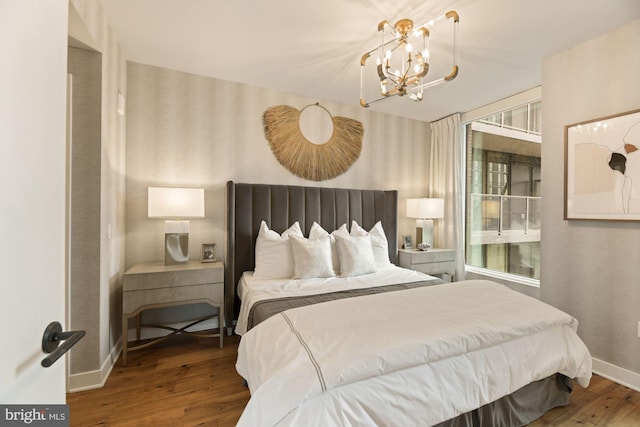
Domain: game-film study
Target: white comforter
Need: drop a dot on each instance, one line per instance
(252, 290)
(412, 357)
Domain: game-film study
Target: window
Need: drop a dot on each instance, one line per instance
(503, 192)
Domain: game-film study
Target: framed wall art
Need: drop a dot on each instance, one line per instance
(208, 252)
(602, 168)
(407, 241)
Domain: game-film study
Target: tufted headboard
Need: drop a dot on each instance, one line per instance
(280, 206)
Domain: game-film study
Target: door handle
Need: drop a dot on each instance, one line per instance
(51, 339)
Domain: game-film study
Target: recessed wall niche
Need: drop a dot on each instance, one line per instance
(83, 193)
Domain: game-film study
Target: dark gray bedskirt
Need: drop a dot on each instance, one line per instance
(520, 407)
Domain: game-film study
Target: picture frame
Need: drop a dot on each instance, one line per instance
(407, 241)
(602, 168)
(208, 253)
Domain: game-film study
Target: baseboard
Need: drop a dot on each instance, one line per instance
(617, 374)
(95, 379)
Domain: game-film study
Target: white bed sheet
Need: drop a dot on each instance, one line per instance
(414, 357)
(251, 290)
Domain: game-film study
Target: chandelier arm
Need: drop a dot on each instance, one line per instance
(393, 92)
(385, 72)
(390, 75)
(456, 20)
(364, 58)
(424, 72)
(381, 73)
(368, 104)
(453, 14)
(432, 83)
(453, 75)
(368, 54)
(383, 24)
(449, 15)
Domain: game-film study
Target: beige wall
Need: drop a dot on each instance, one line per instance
(105, 294)
(85, 67)
(590, 269)
(188, 130)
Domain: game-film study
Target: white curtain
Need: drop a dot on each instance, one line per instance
(446, 179)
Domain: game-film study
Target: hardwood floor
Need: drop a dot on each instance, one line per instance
(184, 381)
(188, 381)
(603, 403)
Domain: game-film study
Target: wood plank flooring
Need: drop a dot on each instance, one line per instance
(184, 381)
(189, 381)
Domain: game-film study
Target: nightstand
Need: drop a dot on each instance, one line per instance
(155, 285)
(432, 261)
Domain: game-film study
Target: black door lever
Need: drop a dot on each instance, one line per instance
(51, 339)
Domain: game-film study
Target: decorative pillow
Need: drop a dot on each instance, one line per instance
(317, 232)
(311, 258)
(378, 242)
(273, 254)
(356, 255)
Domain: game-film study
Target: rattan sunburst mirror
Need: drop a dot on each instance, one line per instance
(306, 159)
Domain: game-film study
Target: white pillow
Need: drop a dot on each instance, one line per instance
(378, 242)
(273, 254)
(311, 258)
(356, 255)
(317, 232)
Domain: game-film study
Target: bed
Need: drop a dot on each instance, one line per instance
(262, 298)
(449, 355)
(247, 205)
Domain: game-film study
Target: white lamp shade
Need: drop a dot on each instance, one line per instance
(425, 208)
(165, 202)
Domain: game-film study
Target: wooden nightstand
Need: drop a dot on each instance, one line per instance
(155, 285)
(432, 261)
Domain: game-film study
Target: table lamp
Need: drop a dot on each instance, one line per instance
(425, 211)
(177, 204)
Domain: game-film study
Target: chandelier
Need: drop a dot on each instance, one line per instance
(402, 59)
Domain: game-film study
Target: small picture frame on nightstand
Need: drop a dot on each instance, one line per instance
(208, 252)
(407, 242)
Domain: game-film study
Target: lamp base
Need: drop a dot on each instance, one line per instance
(176, 248)
(424, 233)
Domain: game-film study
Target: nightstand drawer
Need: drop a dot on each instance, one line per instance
(435, 268)
(418, 257)
(434, 261)
(169, 278)
(135, 299)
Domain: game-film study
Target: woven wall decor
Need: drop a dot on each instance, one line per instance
(316, 162)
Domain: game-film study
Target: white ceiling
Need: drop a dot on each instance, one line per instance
(313, 47)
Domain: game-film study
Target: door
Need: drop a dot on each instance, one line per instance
(33, 47)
